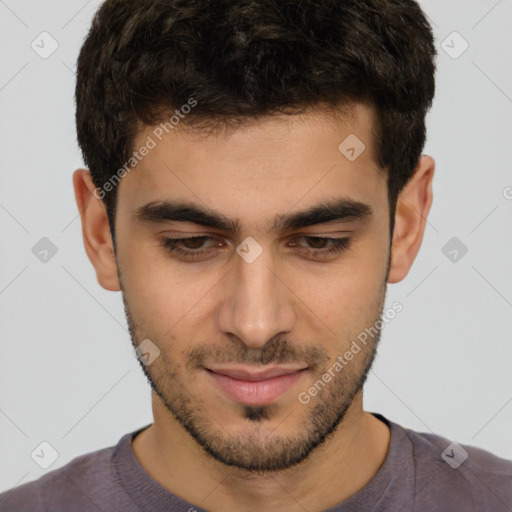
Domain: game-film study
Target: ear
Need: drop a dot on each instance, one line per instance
(413, 206)
(95, 230)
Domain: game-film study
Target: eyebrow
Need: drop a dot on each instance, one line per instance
(334, 210)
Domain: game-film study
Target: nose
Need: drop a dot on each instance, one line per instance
(258, 304)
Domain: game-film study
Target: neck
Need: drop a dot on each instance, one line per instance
(354, 453)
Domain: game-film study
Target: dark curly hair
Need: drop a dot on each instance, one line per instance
(240, 59)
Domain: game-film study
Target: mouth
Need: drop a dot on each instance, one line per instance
(251, 386)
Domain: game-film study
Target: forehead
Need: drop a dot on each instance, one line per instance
(266, 165)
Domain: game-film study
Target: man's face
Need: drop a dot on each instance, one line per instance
(220, 316)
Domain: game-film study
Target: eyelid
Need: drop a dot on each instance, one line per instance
(209, 237)
(337, 246)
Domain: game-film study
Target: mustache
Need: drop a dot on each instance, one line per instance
(275, 351)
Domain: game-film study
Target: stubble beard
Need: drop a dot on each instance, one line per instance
(256, 447)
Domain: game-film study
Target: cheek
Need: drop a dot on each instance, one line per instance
(149, 290)
(347, 297)
(344, 304)
(163, 299)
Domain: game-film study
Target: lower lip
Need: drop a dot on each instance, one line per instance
(256, 393)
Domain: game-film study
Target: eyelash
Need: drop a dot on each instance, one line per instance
(172, 245)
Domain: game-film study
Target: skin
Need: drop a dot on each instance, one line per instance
(285, 304)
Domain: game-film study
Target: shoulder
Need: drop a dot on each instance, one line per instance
(87, 482)
(461, 473)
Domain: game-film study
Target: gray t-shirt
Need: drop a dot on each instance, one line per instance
(416, 476)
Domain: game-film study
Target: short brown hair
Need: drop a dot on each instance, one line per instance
(242, 59)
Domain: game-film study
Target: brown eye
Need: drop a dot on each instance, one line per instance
(194, 243)
(188, 248)
(321, 246)
(318, 242)
(194, 248)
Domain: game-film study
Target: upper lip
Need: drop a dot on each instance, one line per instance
(255, 375)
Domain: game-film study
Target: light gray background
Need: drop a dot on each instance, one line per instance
(67, 372)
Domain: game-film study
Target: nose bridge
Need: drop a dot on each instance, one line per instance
(257, 307)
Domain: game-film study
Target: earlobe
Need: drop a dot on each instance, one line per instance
(413, 206)
(95, 230)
